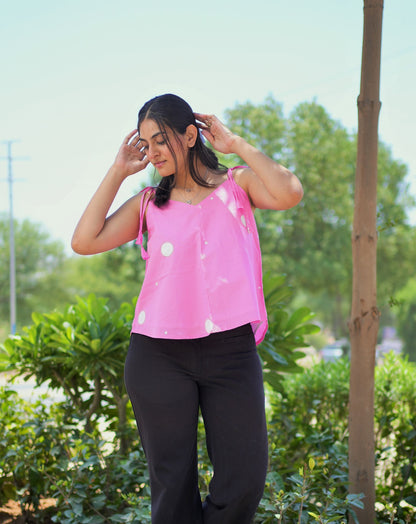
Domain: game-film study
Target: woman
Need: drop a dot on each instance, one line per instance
(201, 310)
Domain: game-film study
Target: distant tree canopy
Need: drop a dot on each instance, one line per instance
(116, 275)
(40, 276)
(310, 243)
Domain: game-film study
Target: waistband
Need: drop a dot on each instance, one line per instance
(245, 329)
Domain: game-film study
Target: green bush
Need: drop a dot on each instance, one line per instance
(308, 425)
(286, 334)
(309, 420)
(72, 451)
(81, 352)
(45, 452)
(34, 441)
(395, 426)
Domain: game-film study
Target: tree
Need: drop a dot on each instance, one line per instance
(116, 275)
(39, 270)
(364, 312)
(311, 242)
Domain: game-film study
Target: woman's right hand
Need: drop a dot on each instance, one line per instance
(130, 158)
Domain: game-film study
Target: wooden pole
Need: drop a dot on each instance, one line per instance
(364, 320)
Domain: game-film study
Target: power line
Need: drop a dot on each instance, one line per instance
(12, 255)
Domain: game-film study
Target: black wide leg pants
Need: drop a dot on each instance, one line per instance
(168, 381)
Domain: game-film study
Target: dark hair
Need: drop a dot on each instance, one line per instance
(171, 111)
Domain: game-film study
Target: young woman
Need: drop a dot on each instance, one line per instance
(201, 309)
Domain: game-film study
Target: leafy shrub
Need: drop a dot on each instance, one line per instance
(64, 451)
(33, 443)
(280, 349)
(395, 426)
(102, 487)
(81, 352)
(308, 425)
(310, 420)
(44, 453)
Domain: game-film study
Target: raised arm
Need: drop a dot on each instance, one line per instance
(268, 184)
(96, 232)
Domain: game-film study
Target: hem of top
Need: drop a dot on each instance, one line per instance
(260, 325)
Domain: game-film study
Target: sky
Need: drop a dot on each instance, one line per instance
(74, 73)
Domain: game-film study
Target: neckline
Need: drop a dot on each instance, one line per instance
(203, 200)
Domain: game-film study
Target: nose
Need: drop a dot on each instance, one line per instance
(152, 153)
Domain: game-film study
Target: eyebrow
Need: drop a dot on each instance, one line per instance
(153, 136)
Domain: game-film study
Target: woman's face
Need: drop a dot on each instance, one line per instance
(156, 148)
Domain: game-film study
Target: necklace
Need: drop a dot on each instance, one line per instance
(188, 198)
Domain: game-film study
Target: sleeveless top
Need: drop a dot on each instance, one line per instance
(203, 266)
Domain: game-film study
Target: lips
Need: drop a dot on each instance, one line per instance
(158, 165)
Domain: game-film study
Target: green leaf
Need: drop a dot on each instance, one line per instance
(300, 316)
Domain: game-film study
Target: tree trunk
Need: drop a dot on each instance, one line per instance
(364, 320)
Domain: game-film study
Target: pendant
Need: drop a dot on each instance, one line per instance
(188, 201)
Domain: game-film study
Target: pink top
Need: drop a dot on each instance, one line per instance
(203, 267)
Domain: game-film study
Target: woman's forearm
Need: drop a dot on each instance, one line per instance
(280, 183)
(93, 220)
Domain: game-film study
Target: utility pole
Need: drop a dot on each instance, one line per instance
(12, 255)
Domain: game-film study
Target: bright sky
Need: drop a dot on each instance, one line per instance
(75, 72)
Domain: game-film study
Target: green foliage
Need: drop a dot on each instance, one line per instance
(302, 502)
(102, 487)
(32, 445)
(44, 452)
(406, 302)
(263, 126)
(279, 350)
(81, 351)
(116, 274)
(311, 243)
(396, 433)
(39, 268)
(309, 420)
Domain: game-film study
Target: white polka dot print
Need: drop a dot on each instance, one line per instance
(166, 249)
(142, 317)
(209, 325)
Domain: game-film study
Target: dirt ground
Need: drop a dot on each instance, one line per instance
(11, 512)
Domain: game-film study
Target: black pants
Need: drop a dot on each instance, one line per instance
(168, 381)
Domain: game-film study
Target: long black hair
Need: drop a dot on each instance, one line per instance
(171, 111)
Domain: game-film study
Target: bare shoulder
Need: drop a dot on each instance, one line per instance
(243, 177)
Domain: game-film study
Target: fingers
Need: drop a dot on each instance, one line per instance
(133, 140)
(207, 120)
(130, 136)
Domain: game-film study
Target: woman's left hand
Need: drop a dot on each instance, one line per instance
(217, 134)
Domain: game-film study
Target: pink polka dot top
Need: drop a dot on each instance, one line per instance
(203, 267)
